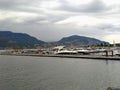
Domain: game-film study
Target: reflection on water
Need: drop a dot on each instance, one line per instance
(47, 73)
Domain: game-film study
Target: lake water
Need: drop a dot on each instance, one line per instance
(47, 73)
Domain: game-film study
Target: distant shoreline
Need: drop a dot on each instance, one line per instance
(70, 56)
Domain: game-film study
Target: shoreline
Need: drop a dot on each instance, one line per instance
(70, 56)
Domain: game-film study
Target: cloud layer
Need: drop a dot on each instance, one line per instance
(50, 20)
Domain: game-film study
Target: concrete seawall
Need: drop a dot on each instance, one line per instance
(73, 56)
(85, 57)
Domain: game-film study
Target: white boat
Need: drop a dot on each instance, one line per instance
(66, 52)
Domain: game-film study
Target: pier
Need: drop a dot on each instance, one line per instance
(72, 56)
(84, 57)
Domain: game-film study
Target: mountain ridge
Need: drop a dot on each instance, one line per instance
(11, 39)
(80, 40)
(15, 40)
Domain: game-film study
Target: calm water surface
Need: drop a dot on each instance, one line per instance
(47, 73)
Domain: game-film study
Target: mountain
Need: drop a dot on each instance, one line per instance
(10, 39)
(76, 40)
(22, 40)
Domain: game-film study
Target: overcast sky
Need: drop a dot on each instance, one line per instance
(50, 20)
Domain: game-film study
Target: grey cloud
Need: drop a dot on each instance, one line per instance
(106, 30)
(32, 26)
(93, 7)
(21, 5)
(105, 26)
(53, 32)
(31, 6)
(10, 4)
(50, 32)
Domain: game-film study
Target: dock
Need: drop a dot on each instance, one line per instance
(74, 56)
(84, 57)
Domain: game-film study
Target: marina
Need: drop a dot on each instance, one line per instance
(60, 51)
(59, 44)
